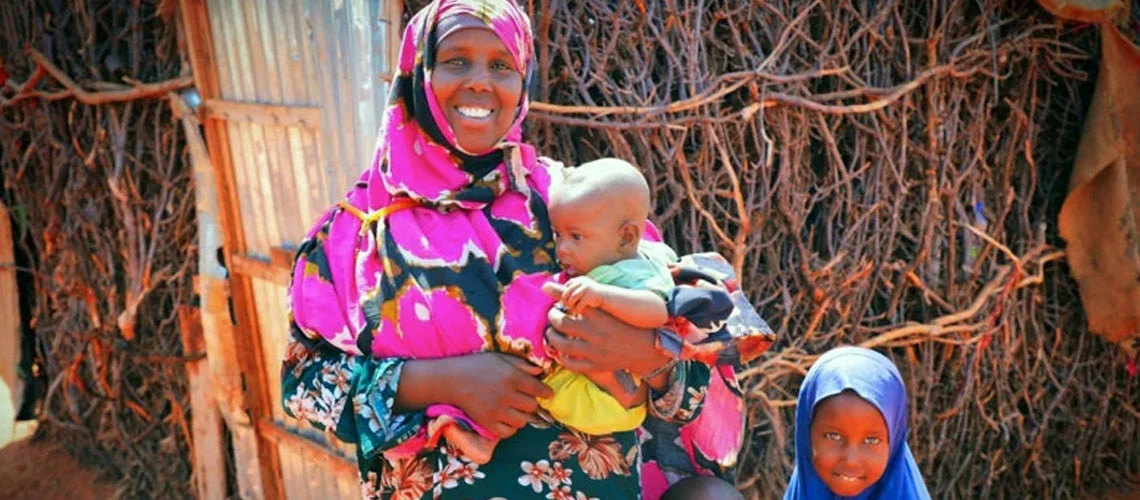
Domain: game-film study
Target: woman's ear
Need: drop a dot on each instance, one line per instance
(630, 236)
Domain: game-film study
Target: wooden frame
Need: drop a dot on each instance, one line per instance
(269, 114)
(264, 480)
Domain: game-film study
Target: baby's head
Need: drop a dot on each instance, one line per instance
(598, 212)
(850, 422)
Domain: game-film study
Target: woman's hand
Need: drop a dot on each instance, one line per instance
(498, 391)
(598, 342)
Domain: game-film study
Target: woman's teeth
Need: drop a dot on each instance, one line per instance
(474, 112)
(845, 477)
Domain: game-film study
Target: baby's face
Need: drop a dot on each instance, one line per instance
(849, 443)
(586, 234)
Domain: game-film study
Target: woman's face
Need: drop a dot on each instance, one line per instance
(478, 87)
(849, 443)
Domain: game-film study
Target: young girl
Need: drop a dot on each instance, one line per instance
(851, 427)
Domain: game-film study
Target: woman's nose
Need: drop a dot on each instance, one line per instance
(479, 79)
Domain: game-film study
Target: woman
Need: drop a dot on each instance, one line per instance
(439, 251)
(418, 292)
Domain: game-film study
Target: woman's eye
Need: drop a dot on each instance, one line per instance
(501, 66)
(833, 436)
(455, 62)
(872, 440)
(576, 236)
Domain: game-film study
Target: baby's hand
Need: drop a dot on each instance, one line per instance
(582, 293)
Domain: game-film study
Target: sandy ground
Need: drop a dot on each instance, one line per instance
(38, 469)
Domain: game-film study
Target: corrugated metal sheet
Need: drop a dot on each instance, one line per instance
(332, 55)
(303, 53)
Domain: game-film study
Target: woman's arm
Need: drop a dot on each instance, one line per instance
(378, 403)
(497, 391)
(598, 342)
(346, 394)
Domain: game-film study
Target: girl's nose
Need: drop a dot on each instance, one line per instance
(851, 456)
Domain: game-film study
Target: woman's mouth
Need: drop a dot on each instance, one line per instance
(473, 113)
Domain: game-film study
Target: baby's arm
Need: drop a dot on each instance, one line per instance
(640, 308)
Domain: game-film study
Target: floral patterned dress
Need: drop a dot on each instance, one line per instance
(542, 460)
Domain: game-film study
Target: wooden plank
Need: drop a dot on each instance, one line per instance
(313, 451)
(11, 387)
(284, 115)
(273, 320)
(257, 267)
(262, 471)
(208, 446)
(291, 471)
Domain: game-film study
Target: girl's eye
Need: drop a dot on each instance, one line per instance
(501, 66)
(832, 436)
(872, 440)
(576, 236)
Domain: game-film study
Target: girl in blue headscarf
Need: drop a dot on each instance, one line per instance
(851, 427)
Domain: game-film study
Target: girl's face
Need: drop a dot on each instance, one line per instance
(477, 86)
(849, 443)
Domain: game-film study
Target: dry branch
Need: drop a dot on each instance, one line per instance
(99, 177)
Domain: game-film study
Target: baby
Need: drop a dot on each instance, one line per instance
(851, 427)
(598, 213)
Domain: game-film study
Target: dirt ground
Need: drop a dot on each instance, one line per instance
(40, 470)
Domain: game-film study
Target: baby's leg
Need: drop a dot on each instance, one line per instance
(702, 488)
(462, 433)
(476, 448)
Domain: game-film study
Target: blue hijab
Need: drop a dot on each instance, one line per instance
(874, 378)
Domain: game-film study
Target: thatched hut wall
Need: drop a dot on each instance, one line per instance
(97, 179)
(884, 173)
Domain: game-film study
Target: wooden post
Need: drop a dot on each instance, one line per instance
(218, 336)
(208, 447)
(11, 387)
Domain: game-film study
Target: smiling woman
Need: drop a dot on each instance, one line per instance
(417, 304)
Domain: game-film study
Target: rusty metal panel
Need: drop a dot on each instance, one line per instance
(353, 90)
(332, 55)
